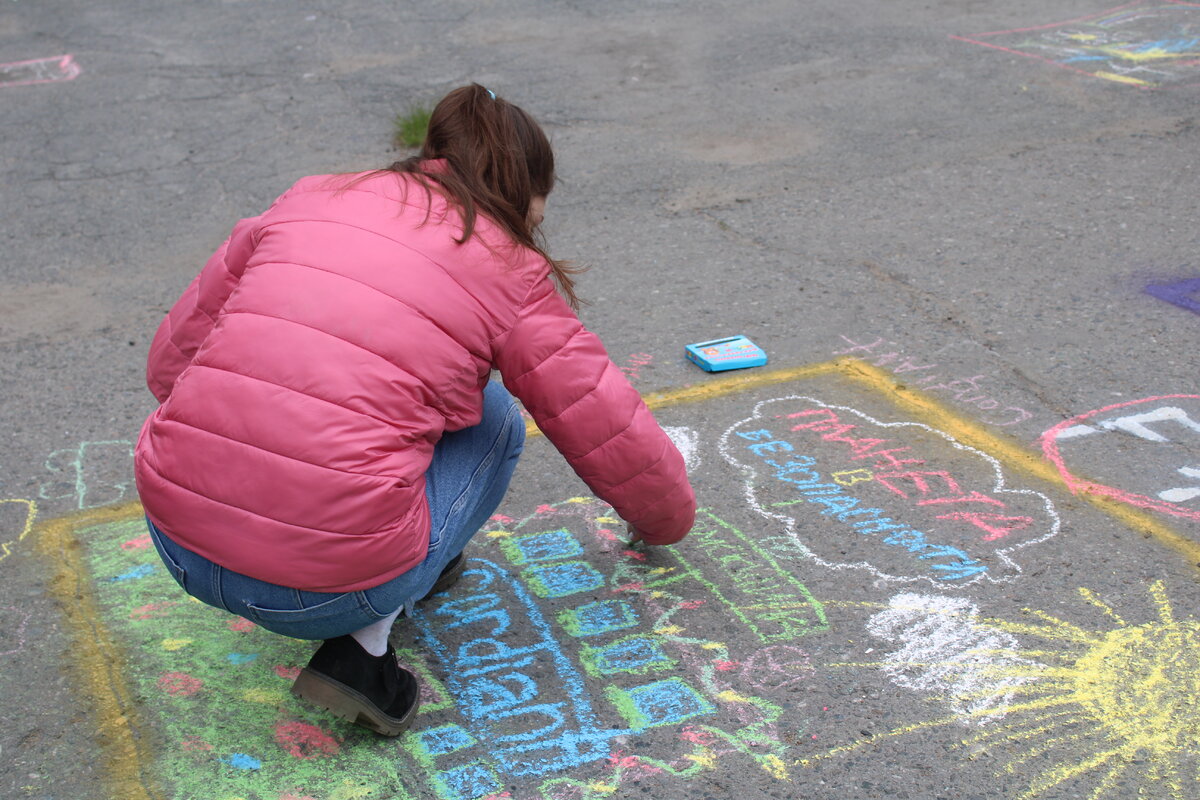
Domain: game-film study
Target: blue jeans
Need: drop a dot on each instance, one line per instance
(465, 482)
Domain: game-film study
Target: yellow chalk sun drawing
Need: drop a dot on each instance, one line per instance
(1106, 709)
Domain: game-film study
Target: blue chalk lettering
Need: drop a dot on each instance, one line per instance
(953, 572)
(551, 710)
(241, 658)
(474, 608)
(835, 503)
(517, 745)
(478, 651)
(774, 446)
(879, 525)
(756, 436)
(911, 540)
(486, 696)
(445, 739)
(468, 782)
(845, 515)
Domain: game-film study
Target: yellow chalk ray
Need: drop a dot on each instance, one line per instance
(31, 510)
(1119, 694)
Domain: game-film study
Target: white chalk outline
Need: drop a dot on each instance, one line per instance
(1011, 568)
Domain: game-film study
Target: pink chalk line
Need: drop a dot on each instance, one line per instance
(40, 70)
(1080, 485)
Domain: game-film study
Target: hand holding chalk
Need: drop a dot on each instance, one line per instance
(635, 535)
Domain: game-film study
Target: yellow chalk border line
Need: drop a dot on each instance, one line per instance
(102, 664)
(97, 657)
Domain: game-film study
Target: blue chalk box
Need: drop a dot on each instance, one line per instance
(735, 352)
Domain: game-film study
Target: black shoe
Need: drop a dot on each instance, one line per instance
(450, 575)
(372, 691)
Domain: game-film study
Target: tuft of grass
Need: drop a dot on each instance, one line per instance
(410, 127)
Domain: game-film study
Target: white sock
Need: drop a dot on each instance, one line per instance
(374, 637)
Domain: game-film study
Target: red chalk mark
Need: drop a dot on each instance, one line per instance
(1082, 486)
(152, 610)
(503, 520)
(634, 554)
(997, 526)
(630, 587)
(140, 543)
(294, 796)
(726, 666)
(39, 70)
(689, 604)
(180, 684)
(545, 509)
(695, 736)
(241, 625)
(194, 744)
(302, 740)
(287, 673)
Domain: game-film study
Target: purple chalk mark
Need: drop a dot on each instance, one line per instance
(39, 70)
(1178, 293)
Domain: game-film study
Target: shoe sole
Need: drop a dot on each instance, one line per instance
(345, 703)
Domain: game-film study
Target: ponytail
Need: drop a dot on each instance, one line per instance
(498, 159)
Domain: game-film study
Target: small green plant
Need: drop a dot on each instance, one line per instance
(411, 127)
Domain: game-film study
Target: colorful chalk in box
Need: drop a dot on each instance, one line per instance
(734, 352)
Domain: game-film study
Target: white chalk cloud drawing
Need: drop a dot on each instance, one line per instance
(901, 500)
(942, 647)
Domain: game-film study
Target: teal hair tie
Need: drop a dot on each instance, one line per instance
(491, 94)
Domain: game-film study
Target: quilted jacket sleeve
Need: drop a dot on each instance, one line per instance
(190, 320)
(588, 410)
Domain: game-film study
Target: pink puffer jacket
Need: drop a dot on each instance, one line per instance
(308, 371)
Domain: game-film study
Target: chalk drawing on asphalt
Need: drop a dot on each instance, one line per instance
(931, 377)
(944, 648)
(562, 653)
(13, 621)
(16, 521)
(1148, 449)
(39, 70)
(1183, 293)
(1150, 45)
(901, 500)
(688, 442)
(91, 474)
(1120, 691)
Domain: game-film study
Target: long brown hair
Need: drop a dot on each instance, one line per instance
(498, 159)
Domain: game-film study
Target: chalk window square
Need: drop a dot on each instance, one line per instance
(665, 702)
(537, 547)
(469, 782)
(603, 616)
(560, 580)
(1154, 47)
(446, 739)
(635, 654)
